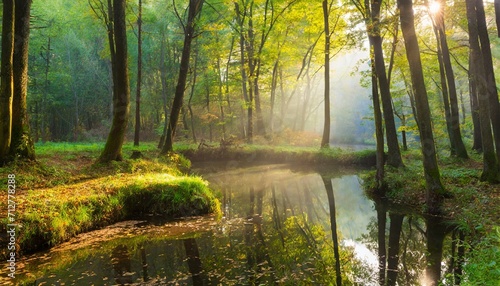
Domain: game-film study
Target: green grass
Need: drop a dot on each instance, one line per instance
(65, 193)
(51, 216)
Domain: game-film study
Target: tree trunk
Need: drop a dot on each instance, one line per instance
(491, 88)
(194, 9)
(121, 97)
(221, 99)
(394, 153)
(379, 130)
(21, 144)
(137, 132)
(7, 83)
(325, 141)
(490, 163)
(435, 190)
(193, 85)
(458, 147)
(474, 107)
(244, 77)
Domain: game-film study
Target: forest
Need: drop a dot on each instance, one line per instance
(234, 133)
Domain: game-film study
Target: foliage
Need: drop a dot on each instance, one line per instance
(482, 266)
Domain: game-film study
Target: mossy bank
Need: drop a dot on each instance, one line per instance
(55, 203)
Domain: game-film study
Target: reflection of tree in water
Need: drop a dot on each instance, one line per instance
(194, 262)
(275, 242)
(416, 250)
(120, 259)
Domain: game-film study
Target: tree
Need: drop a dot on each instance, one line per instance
(21, 144)
(194, 10)
(394, 152)
(7, 80)
(479, 81)
(448, 85)
(491, 87)
(435, 190)
(325, 141)
(137, 131)
(121, 96)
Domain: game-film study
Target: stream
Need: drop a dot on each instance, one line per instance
(275, 229)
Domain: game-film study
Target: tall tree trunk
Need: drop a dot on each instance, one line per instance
(435, 190)
(221, 99)
(474, 107)
(121, 97)
(490, 163)
(377, 114)
(394, 153)
(379, 131)
(193, 85)
(194, 10)
(274, 85)
(7, 83)
(137, 132)
(325, 141)
(458, 146)
(164, 90)
(21, 143)
(494, 105)
(244, 78)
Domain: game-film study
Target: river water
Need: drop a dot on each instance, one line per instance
(276, 228)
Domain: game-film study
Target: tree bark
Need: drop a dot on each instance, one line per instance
(121, 97)
(21, 144)
(474, 107)
(325, 141)
(394, 153)
(435, 190)
(7, 83)
(458, 147)
(137, 132)
(490, 163)
(189, 30)
(244, 78)
(491, 88)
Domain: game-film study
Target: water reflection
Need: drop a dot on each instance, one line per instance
(280, 226)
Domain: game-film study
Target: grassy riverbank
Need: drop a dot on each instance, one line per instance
(280, 154)
(64, 193)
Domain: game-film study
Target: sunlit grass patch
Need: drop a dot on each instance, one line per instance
(51, 216)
